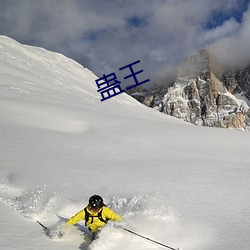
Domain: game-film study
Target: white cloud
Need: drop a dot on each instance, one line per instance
(228, 28)
(98, 33)
(233, 50)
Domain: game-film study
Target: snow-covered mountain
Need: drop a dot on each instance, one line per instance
(203, 97)
(182, 185)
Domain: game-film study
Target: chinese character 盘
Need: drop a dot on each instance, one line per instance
(108, 86)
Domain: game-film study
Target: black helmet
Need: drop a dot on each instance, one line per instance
(95, 202)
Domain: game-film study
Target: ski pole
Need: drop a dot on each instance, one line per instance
(45, 228)
(146, 238)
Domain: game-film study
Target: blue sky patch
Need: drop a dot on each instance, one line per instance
(219, 17)
(136, 21)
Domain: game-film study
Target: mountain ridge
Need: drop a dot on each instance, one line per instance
(203, 96)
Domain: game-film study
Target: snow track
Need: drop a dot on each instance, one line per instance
(144, 214)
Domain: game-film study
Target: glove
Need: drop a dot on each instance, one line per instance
(118, 226)
(60, 234)
(62, 229)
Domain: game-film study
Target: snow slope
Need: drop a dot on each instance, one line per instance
(176, 183)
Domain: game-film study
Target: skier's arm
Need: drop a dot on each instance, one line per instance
(110, 214)
(77, 217)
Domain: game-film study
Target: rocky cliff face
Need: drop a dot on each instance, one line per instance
(237, 81)
(201, 97)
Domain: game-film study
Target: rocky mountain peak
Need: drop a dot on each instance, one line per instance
(196, 64)
(200, 96)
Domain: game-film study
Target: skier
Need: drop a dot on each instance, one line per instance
(95, 214)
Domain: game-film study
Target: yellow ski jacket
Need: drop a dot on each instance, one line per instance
(94, 223)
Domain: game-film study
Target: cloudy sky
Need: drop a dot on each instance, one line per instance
(105, 35)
